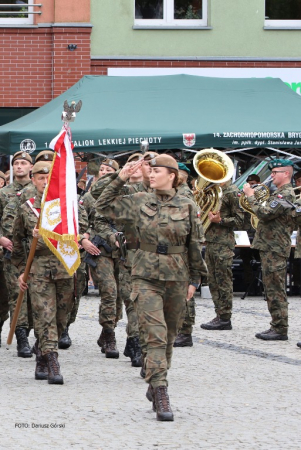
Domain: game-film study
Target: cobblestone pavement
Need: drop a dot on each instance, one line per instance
(229, 391)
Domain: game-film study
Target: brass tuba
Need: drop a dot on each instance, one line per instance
(213, 167)
(261, 193)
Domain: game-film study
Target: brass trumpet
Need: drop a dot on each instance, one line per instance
(261, 193)
(213, 167)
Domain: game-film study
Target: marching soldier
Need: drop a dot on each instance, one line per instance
(21, 166)
(166, 268)
(51, 288)
(273, 240)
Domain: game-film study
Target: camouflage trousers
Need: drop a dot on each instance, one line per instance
(52, 301)
(160, 307)
(106, 273)
(4, 308)
(11, 274)
(273, 277)
(80, 282)
(125, 286)
(219, 263)
(189, 320)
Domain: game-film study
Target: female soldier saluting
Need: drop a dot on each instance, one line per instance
(166, 267)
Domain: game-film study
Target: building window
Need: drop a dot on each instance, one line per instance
(16, 12)
(171, 13)
(283, 13)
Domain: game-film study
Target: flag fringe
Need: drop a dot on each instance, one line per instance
(58, 237)
(51, 247)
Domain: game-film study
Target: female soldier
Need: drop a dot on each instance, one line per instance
(166, 268)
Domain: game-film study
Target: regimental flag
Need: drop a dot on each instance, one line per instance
(59, 212)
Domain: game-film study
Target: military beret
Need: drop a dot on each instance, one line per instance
(280, 163)
(253, 177)
(42, 167)
(2, 176)
(183, 167)
(45, 155)
(149, 155)
(135, 157)
(111, 163)
(164, 161)
(21, 155)
(297, 175)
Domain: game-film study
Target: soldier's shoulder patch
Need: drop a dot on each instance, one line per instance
(81, 202)
(298, 210)
(274, 203)
(18, 194)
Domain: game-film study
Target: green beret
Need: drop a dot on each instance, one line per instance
(183, 167)
(280, 163)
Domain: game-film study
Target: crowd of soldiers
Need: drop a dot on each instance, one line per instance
(141, 242)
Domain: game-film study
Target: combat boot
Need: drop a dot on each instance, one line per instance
(54, 373)
(110, 344)
(24, 350)
(133, 351)
(150, 395)
(271, 335)
(101, 341)
(1, 325)
(65, 341)
(41, 372)
(183, 340)
(164, 412)
(217, 324)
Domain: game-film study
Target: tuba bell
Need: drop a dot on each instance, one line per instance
(261, 193)
(213, 167)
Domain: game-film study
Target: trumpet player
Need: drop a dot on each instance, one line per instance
(219, 254)
(273, 240)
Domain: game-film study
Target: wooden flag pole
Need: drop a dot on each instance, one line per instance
(21, 293)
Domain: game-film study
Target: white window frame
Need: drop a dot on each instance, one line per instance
(19, 20)
(282, 23)
(169, 21)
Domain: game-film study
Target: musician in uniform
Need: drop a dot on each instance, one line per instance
(273, 240)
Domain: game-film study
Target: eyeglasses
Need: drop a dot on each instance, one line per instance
(277, 171)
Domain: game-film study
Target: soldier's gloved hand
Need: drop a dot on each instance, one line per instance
(22, 285)
(89, 247)
(190, 292)
(6, 243)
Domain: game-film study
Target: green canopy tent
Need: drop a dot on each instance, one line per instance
(171, 112)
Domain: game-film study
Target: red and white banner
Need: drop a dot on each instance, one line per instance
(59, 209)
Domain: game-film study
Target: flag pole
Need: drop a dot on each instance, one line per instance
(21, 293)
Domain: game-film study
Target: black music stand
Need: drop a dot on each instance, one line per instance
(257, 278)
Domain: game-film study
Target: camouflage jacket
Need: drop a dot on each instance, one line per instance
(232, 218)
(7, 194)
(9, 213)
(184, 189)
(45, 263)
(276, 223)
(164, 218)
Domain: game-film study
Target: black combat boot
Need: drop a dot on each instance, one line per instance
(217, 324)
(271, 335)
(1, 325)
(150, 395)
(54, 373)
(110, 344)
(101, 341)
(164, 412)
(41, 372)
(183, 340)
(24, 350)
(65, 340)
(133, 351)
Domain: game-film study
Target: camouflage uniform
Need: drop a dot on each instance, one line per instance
(220, 244)
(4, 308)
(50, 286)
(11, 198)
(273, 240)
(159, 280)
(189, 320)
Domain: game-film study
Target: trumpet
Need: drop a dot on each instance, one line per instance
(261, 193)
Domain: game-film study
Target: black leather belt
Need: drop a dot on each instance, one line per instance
(162, 249)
